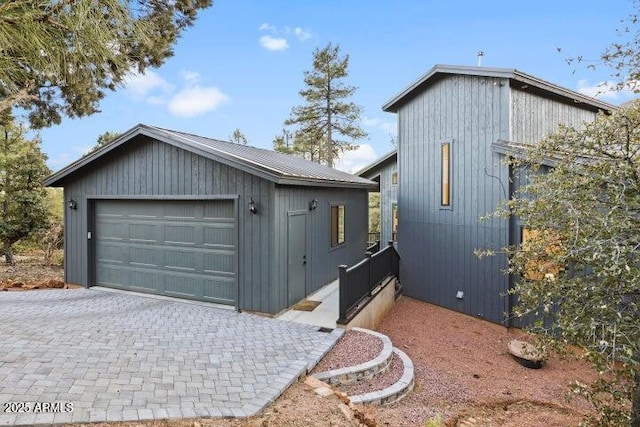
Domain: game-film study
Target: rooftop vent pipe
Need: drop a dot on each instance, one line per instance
(480, 55)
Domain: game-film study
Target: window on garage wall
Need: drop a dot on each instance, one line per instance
(337, 225)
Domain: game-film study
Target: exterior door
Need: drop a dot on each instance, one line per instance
(296, 257)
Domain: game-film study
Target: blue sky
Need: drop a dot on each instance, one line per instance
(241, 65)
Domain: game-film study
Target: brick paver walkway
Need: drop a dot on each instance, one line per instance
(119, 357)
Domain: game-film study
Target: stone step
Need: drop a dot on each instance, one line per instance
(394, 392)
(363, 371)
(370, 370)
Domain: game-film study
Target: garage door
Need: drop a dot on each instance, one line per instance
(176, 248)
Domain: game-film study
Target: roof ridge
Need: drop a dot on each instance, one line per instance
(277, 167)
(512, 74)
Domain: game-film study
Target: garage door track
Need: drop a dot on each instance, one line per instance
(88, 356)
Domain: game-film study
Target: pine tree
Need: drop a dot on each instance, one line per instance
(327, 114)
(282, 143)
(237, 137)
(60, 56)
(23, 204)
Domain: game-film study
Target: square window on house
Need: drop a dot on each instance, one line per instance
(445, 179)
(394, 178)
(337, 225)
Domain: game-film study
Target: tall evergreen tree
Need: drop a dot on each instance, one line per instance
(23, 204)
(327, 115)
(237, 137)
(59, 57)
(282, 143)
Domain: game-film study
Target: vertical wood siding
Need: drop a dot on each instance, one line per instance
(146, 167)
(322, 260)
(437, 244)
(534, 117)
(388, 196)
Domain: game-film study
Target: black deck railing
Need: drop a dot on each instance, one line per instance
(373, 248)
(359, 281)
(373, 237)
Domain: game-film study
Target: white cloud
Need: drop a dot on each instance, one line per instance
(63, 159)
(139, 85)
(302, 34)
(191, 77)
(389, 127)
(191, 100)
(156, 100)
(273, 43)
(196, 100)
(279, 38)
(268, 27)
(605, 90)
(60, 160)
(354, 160)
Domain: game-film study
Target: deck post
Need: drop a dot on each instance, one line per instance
(342, 288)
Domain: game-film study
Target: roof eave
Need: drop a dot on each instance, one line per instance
(313, 182)
(377, 164)
(565, 93)
(393, 104)
(505, 148)
(58, 177)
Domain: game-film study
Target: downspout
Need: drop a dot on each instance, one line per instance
(236, 207)
(512, 240)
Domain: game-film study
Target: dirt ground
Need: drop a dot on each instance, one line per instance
(298, 406)
(29, 273)
(463, 374)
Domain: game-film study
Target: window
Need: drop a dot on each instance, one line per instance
(337, 225)
(445, 179)
(394, 222)
(543, 248)
(394, 178)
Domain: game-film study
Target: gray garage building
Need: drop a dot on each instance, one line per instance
(171, 213)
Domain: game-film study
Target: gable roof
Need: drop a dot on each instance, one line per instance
(273, 166)
(392, 156)
(526, 80)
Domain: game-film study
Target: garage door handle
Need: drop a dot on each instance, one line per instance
(304, 260)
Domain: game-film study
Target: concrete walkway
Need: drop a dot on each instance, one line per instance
(90, 356)
(326, 314)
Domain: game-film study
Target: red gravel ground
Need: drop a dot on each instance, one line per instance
(464, 373)
(353, 349)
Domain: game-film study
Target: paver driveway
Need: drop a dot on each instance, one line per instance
(118, 357)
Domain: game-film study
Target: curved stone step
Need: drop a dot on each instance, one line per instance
(395, 391)
(363, 371)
